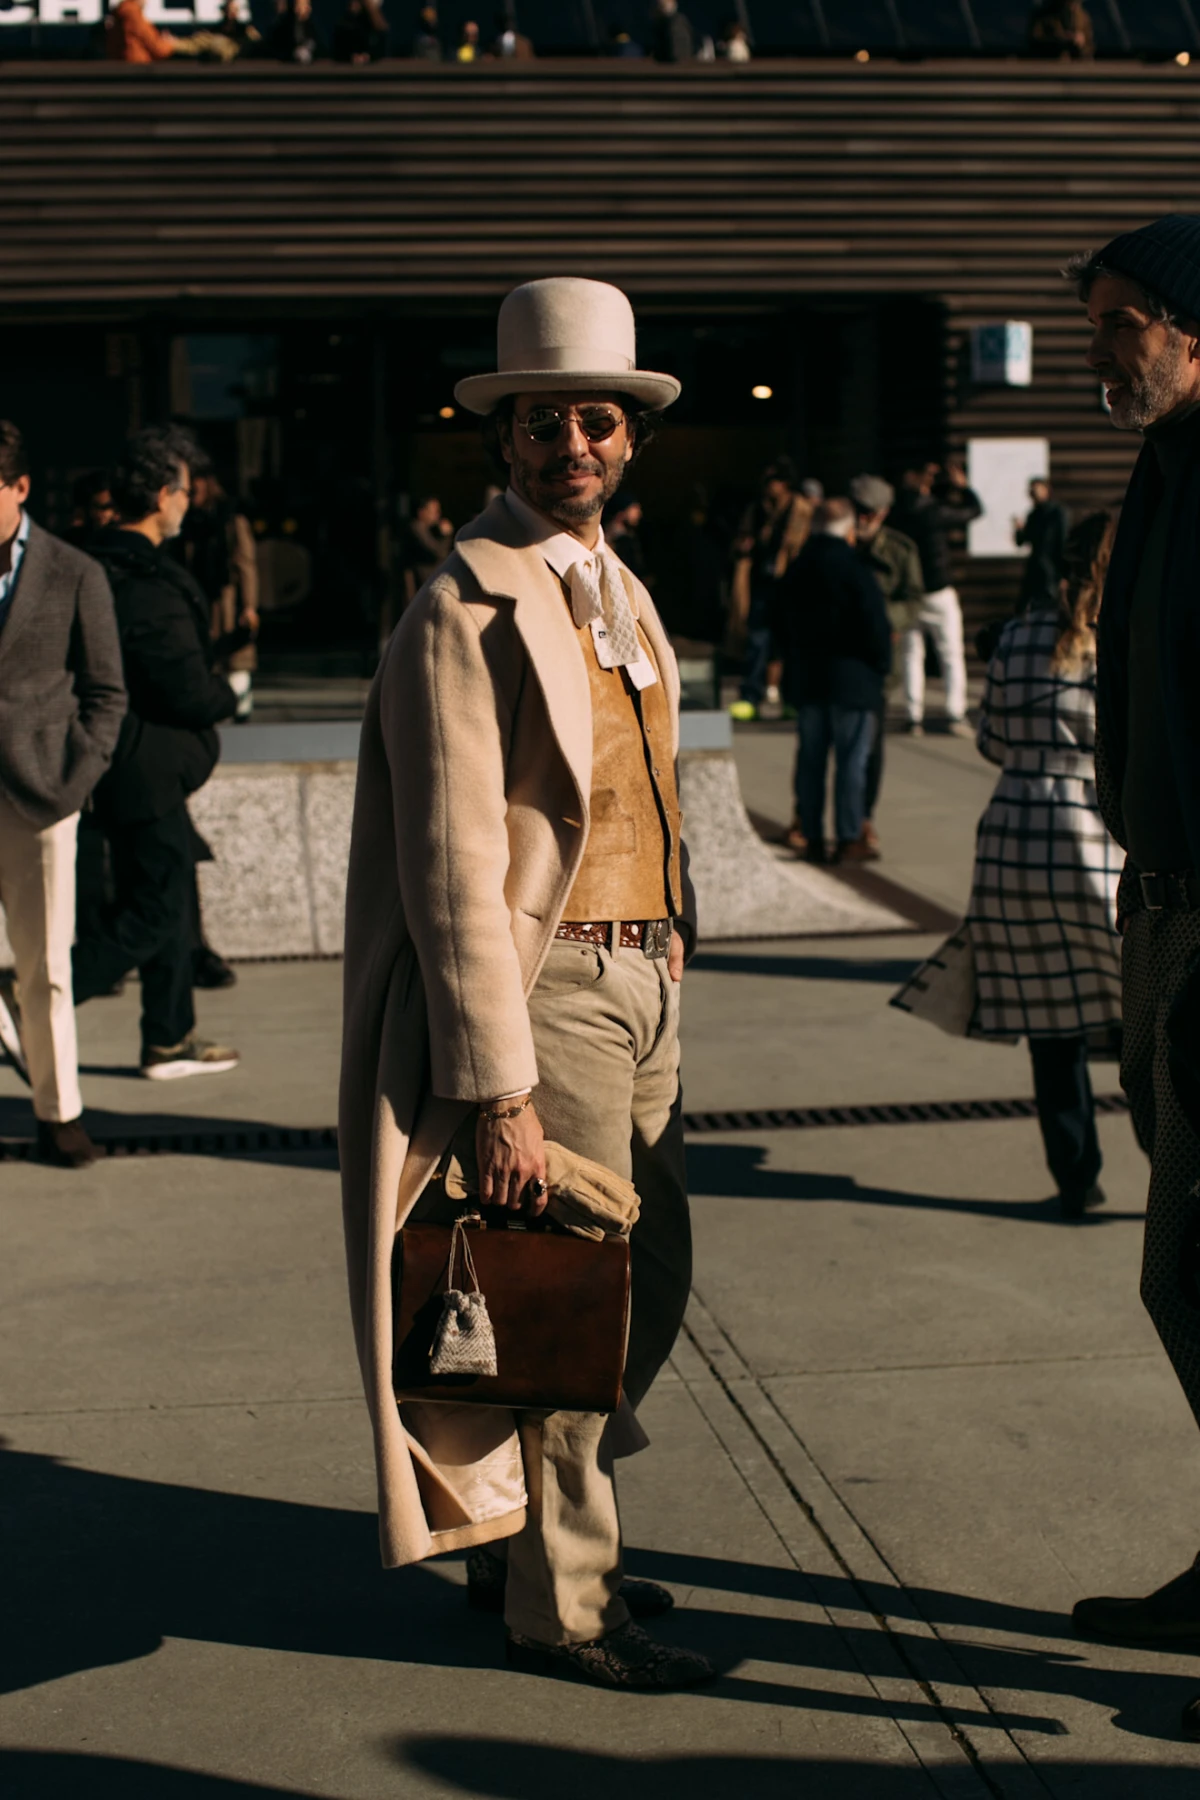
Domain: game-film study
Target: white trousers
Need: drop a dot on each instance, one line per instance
(37, 890)
(941, 616)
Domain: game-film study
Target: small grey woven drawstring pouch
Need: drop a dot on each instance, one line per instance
(464, 1342)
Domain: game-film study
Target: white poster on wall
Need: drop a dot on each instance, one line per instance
(1000, 470)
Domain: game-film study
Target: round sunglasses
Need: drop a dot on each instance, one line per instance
(545, 424)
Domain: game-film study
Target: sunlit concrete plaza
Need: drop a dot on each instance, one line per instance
(913, 1418)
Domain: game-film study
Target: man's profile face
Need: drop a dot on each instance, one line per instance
(776, 491)
(172, 507)
(1149, 367)
(430, 513)
(1038, 492)
(101, 510)
(867, 524)
(13, 495)
(570, 479)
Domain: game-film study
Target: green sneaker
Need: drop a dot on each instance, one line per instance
(192, 1057)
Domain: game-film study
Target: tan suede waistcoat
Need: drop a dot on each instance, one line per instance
(630, 867)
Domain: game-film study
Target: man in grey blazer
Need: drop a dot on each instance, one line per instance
(62, 699)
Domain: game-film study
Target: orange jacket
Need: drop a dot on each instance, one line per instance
(130, 37)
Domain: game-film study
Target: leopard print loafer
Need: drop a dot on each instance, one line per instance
(626, 1658)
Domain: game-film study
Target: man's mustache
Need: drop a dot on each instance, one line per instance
(570, 465)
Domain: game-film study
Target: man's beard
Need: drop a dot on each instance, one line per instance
(1148, 398)
(532, 485)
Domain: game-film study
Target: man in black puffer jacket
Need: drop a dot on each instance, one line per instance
(168, 748)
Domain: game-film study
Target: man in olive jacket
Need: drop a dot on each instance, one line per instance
(895, 562)
(61, 701)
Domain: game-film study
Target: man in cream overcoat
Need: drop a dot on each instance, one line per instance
(517, 918)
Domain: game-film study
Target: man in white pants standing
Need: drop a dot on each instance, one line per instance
(933, 501)
(62, 699)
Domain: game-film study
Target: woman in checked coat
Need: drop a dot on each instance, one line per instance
(1040, 931)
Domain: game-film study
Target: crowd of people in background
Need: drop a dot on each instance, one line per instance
(828, 611)
(363, 34)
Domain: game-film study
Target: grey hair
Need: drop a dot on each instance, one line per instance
(1084, 270)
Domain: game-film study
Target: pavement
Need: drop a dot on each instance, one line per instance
(912, 1418)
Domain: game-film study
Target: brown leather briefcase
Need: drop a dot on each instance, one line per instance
(559, 1307)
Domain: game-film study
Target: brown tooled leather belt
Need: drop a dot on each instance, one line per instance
(651, 936)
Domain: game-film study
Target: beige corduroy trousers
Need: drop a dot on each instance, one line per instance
(606, 1033)
(37, 890)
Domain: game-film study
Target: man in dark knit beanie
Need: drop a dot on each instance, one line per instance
(1143, 298)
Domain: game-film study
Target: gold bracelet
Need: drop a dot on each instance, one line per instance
(494, 1115)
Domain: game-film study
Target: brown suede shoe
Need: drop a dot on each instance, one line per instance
(625, 1658)
(860, 850)
(66, 1145)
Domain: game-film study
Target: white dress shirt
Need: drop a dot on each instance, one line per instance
(8, 581)
(562, 551)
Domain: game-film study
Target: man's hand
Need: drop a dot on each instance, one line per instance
(249, 619)
(511, 1154)
(675, 957)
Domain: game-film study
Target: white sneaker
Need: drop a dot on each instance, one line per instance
(962, 728)
(10, 1027)
(242, 683)
(192, 1057)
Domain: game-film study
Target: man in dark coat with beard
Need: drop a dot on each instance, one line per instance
(1143, 297)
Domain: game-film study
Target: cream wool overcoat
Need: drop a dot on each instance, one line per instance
(470, 819)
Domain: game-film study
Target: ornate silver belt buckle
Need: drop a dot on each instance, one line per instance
(656, 937)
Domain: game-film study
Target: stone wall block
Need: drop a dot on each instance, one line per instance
(257, 895)
(328, 807)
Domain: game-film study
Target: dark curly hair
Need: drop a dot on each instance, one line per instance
(14, 459)
(157, 457)
(643, 421)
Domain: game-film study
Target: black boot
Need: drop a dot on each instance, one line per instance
(1169, 1613)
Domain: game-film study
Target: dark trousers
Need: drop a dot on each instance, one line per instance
(1066, 1111)
(847, 732)
(149, 926)
(875, 763)
(759, 642)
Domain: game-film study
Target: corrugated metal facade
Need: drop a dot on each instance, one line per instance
(194, 193)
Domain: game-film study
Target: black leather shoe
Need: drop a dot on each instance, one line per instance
(66, 1146)
(626, 1658)
(1169, 1613)
(1073, 1203)
(210, 970)
(486, 1577)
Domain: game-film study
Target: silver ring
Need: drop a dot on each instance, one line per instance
(537, 1187)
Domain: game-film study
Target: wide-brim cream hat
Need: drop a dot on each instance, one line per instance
(565, 333)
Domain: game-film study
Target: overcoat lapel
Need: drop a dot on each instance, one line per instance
(508, 568)
(32, 580)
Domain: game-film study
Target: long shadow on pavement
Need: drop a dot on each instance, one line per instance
(738, 1172)
(502, 1769)
(1143, 1701)
(104, 1567)
(74, 1775)
(170, 1133)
